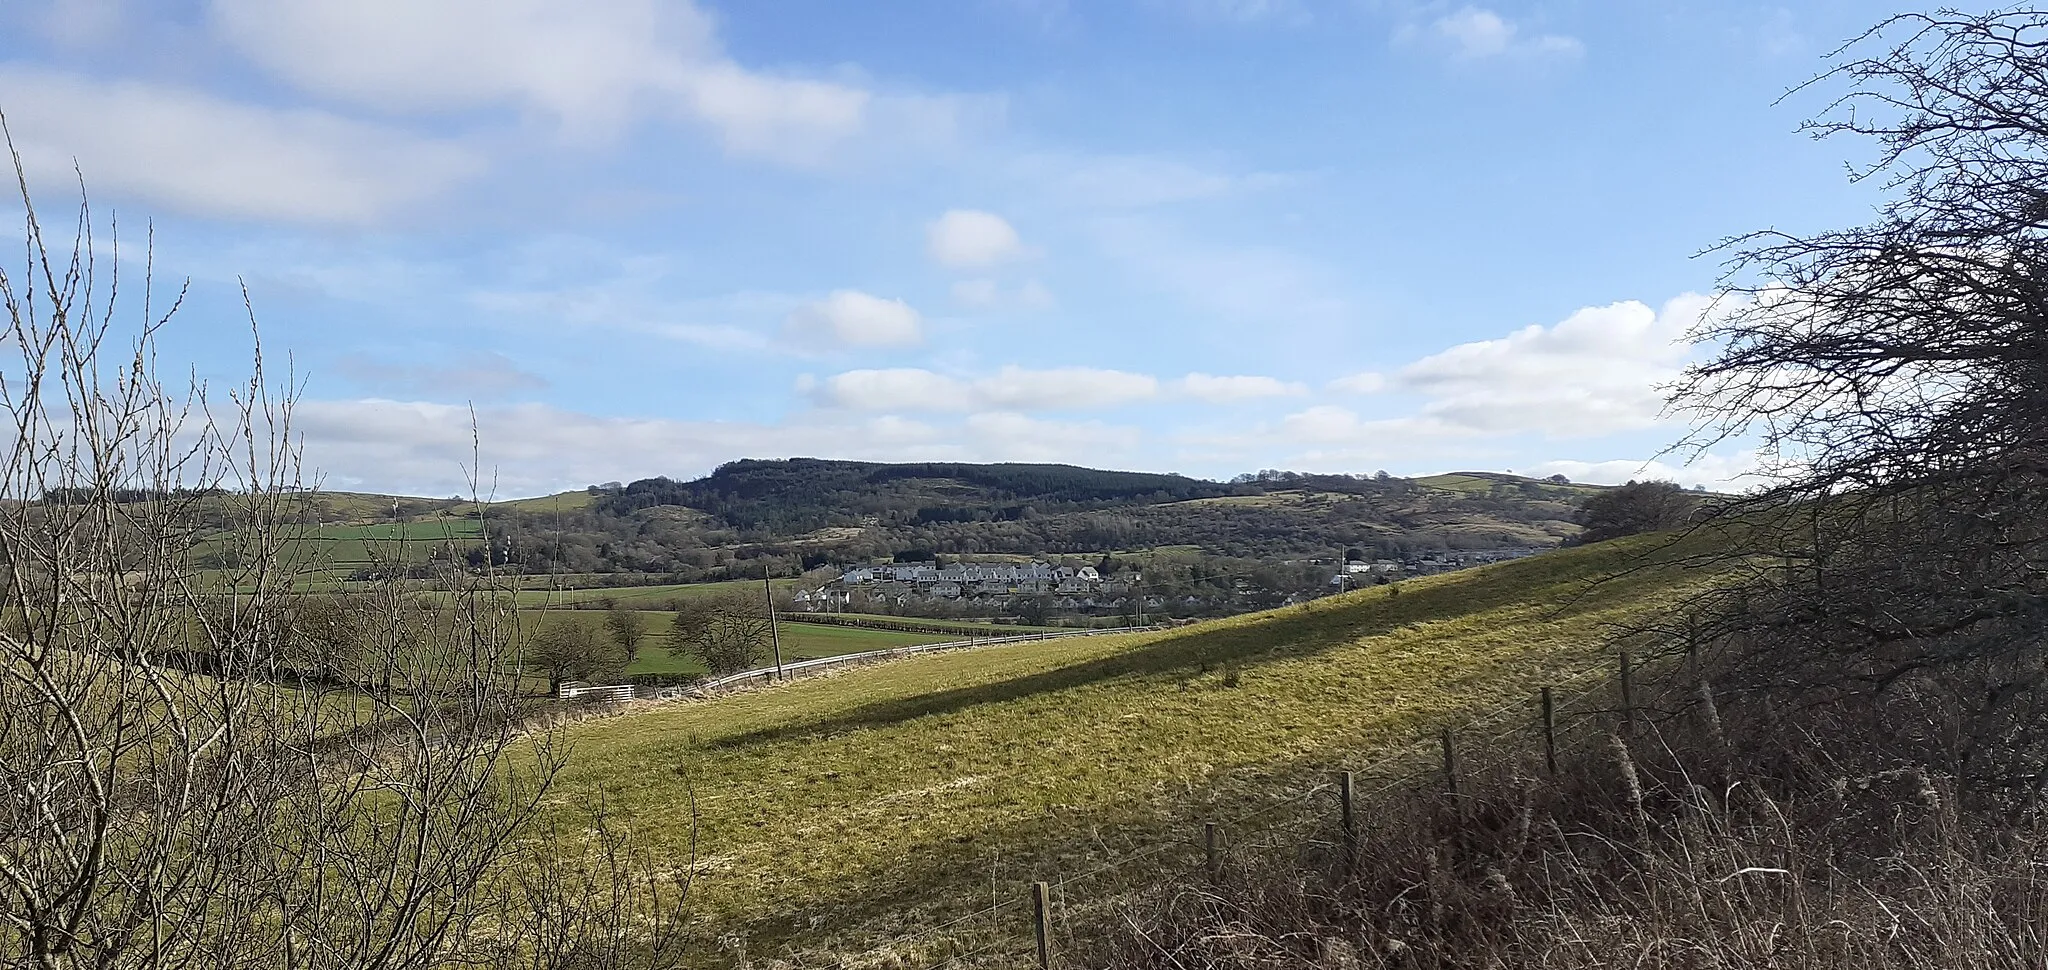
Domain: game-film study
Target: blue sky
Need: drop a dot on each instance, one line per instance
(641, 237)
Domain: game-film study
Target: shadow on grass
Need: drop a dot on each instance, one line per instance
(1105, 850)
(1288, 632)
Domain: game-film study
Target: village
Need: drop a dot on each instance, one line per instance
(934, 586)
(902, 584)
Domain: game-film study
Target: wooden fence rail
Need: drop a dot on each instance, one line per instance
(1620, 719)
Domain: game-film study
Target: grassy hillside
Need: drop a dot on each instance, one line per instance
(558, 502)
(846, 806)
(800, 641)
(332, 552)
(654, 597)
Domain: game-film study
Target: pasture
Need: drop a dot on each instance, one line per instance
(843, 806)
(800, 641)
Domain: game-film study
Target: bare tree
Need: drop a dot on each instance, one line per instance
(624, 626)
(198, 766)
(1896, 375)
(728, 633)
(596, 899)
(566, 650)
(1633, 509)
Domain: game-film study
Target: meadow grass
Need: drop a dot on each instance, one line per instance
(962, 627)
(637, 597)
(333, 552)
(1264, 500)
(800, 641)
(558, 502)
(845, 807)
(1456, 482)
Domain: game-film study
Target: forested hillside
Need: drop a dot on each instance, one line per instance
(802, 513)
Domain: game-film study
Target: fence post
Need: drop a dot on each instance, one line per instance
(1549, 732)
(1214, 852)
(1628, 695)
(1344, 790)
(1450, 764)
(1692, 645)
(1041, 919)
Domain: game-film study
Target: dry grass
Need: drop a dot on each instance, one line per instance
(838, 811)
(1737, 837)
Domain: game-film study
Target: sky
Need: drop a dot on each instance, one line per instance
(626, 238)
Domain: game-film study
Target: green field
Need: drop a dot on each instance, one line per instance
(1457, 482)
(558, 502)
(326, 554)
(800, 641)
(637, 597)
(1484, 483)
(846, 807)
(339, 550)
(961, 627)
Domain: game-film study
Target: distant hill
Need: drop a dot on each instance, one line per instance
(811, 511)
(802, 494)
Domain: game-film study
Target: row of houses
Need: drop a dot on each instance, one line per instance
(1353, 573)
(956, 580)
(892, 597)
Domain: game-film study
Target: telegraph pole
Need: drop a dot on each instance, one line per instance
(774, 635)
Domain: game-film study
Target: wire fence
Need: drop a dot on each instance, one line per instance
(1021, 927)
(798, 668)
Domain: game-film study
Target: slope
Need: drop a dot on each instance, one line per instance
(806, 512)
(848, 806)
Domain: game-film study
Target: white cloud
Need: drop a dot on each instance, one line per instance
(207, 156)
(984, 294)
(590, 67)
(1064, 388)
(858, 319)
(894, 389)
(970, 238)
(586, 64)
(1009, 389)
(1476, 33)
(1224, 390)
(530, 449)
(1721, 473)
(1365, 382)
(1324, 422)
(1597, 371)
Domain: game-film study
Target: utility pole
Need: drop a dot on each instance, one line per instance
(1138, 592)
(774, 635)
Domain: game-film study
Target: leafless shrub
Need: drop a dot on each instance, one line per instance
(727, 632)
(1895, 375)
(1627, 858)
(592, 898)
(200, 767)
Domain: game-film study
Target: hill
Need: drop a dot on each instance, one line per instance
(840, 810)
(801, 513)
